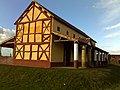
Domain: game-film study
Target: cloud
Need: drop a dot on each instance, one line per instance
(114, 52)
(114, 34)
(103, 46)
(107, 4)
(110, 14)
(111, 10)
(113, 26)
(6, 33)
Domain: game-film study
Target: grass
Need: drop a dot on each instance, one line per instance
(28, 78)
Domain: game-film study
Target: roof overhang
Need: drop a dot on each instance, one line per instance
(68, 38)
(9, 43)
(96, 48)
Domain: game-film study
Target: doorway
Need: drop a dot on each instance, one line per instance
(67, 53)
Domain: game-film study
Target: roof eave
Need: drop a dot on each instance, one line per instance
(73, 27)
(7, 40)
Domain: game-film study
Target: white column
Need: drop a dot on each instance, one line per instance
(102, 56)
(98, 55)
(95, 55)
(75, 51)
(76, 55)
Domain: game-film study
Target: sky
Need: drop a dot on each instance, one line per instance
(100, 19)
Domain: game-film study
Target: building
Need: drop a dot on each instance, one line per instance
(43, 39)
(115, 59)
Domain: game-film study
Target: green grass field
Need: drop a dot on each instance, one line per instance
(28, 78)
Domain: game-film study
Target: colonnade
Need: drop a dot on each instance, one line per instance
(93, 56)
(100, 57)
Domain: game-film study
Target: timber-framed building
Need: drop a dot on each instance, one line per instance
(43, 39)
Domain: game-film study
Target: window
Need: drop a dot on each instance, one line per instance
(79, 37)
(58, 29)
(73, 35)
(67, 33)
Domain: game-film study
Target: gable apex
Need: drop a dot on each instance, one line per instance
(32, 12)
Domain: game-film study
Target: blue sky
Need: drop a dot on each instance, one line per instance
(100, 19)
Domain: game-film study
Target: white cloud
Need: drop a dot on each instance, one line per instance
(103, 46)
(111, 10)
(115, 34)
(109, 48)
(113, 27)
(114, 52)
(110, 14)
(107, 4)
(6, 33)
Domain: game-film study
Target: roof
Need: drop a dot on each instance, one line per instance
(100, 49)
(115, 55)
(59, 19)
(79, 40)
(9, 43)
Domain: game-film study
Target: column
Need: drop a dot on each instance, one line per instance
(83, 56)
(95, 57)
(76, 55)
(89, 56)
(105, 58)
(102, 55)
(98, 57)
